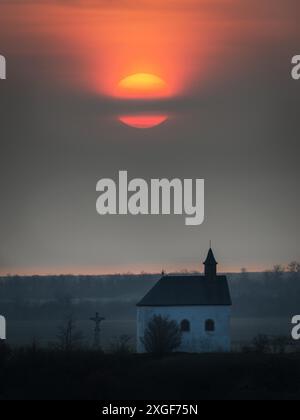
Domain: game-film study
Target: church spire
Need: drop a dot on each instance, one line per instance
(210, 265)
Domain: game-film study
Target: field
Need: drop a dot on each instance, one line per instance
(86, 375)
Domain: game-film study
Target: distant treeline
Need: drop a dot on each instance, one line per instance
(64, 287)
(269, 294)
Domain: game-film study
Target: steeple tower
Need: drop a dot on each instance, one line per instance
(210, 265)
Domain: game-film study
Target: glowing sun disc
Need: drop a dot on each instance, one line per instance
(142, 85)
(143, 121)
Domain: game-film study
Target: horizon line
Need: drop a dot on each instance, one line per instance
(128, 273)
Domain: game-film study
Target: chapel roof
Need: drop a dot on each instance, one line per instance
(188, 290)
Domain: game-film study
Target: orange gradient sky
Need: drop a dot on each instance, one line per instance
(223, 69)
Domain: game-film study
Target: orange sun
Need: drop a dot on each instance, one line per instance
(142, 86)
(143, 120)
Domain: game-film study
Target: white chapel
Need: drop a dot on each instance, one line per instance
(201, 306)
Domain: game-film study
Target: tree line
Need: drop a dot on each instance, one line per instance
(274, 293)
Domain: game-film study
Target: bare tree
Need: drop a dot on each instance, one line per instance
(294, 267)
(279, 344)
(162, 336)
(244, 273)
(69, 337)
(278, 269)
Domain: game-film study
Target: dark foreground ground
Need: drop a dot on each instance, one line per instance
(48, 374)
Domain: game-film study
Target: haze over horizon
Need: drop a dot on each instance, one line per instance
(123, 270)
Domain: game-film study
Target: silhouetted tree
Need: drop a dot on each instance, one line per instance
(69, 337)
(279, 344)
(279, 269)
(162, 336)
(244, 273)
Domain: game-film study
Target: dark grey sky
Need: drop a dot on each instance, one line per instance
(238, 130)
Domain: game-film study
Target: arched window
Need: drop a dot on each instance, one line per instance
(185, 325)
(209, 325)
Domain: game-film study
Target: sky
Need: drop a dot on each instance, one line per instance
(232, 119)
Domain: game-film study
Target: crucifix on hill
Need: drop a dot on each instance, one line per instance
(97, 320)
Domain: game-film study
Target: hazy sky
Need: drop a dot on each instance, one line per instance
(233, 120)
